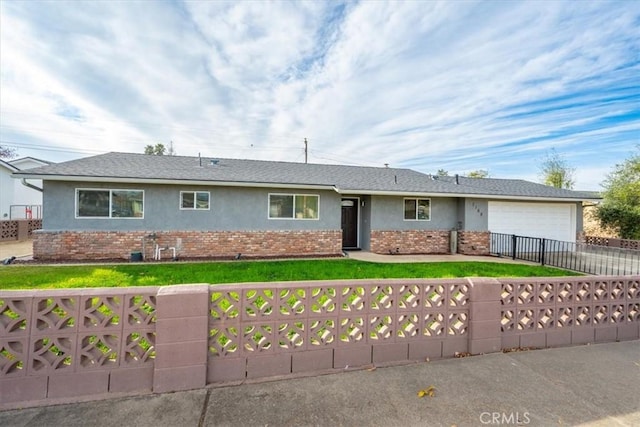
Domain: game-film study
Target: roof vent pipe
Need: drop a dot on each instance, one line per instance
(457, 179)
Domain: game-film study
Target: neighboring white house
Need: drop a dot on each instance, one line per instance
(18, 201)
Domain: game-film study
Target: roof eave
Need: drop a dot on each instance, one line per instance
(468, 195)
(122, 180)
(107, 179)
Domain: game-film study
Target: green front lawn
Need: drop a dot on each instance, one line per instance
(88, 276)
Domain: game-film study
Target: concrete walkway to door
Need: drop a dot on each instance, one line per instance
(371, 257)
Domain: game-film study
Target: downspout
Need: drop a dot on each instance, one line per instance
(33, 187)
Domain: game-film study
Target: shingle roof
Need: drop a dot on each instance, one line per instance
(345, 179)
(517, 187)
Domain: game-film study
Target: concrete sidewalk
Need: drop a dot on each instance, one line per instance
(593, 385)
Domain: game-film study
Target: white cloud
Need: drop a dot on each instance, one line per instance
(429, 85)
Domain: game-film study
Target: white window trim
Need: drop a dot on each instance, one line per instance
(110, 190)
(294, 206)
(194, 208)
(416, 199)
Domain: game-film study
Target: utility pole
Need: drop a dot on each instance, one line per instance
(305, 150)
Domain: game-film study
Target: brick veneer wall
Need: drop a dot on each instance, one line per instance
(88, 245)
(473, 242)
(410, 241)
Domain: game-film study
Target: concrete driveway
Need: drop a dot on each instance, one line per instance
(18, 249)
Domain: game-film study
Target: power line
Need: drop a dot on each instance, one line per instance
(48, 148)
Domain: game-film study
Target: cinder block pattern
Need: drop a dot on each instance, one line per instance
(181, 328)
(629, 331)
(582, 336)
(132, 379)
(484, 346)
(63, 344)
(78, 384)
(510, 341)
(179, 378)
(310, 361)
(535, 340)
(313, 320)
(223, 370)
(345, 357)
(455, 347)
(559, 338)
(485, 290)
(390, 353)
(18, 229)
(23, 389)
(182, 319)
(68, 343)
(425, 349)
(269, 366)
(182, 301)
(180, 353)
(485, 314)
(569, 311)
(607, 334)
(485, 329)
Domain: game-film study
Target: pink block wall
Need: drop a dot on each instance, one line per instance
(68, 345)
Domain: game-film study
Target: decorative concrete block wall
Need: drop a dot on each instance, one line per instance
(279, 329)
(561, 311)
(18, 229)
(181, 344)
(65, 345)
(61, 344)
(410, 241)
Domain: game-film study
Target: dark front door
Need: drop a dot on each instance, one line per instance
(349, 223)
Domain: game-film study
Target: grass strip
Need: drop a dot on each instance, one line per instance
(88, 276)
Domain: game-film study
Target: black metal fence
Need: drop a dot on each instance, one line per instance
(581, 257)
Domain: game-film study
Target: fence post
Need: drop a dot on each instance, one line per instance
(514, 242)
(181, 338)
(542, 250)
(485, 313)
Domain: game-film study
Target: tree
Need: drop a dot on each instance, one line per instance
(480, 173)
(442, 172)
(157, 150)
(7, 153)
(556, 172)
(620, 208)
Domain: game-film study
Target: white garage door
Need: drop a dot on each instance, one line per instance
(549, 220)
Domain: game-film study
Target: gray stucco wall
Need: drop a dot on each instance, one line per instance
(475, 215)
(231, 208)
(579, 217)
(387, 213)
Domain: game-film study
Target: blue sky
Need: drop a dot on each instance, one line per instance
(454, 85)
